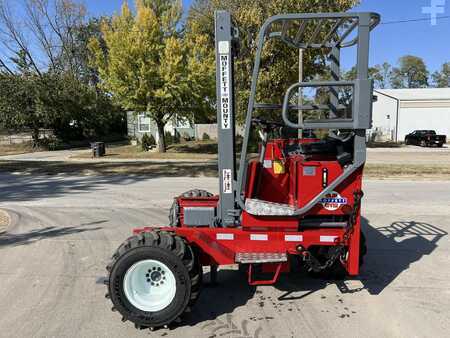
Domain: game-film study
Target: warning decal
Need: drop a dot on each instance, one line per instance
(227, 181)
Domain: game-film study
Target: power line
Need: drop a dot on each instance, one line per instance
(413, 20)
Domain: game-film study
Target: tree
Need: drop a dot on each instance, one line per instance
(73, 110)
(411, 73)
(47, 80)
(17, 105)
(380, 74)
(279, 62)
(145, 64)
(441, 79)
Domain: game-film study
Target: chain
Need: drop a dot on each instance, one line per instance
(339, 251)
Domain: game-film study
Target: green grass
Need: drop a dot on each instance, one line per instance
(197, 150)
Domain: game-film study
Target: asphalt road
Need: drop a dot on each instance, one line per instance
(64, 228)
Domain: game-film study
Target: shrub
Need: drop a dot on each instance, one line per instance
(176, 137)
(205, 137)
(168, 138)
(186, 137)
(147, 142)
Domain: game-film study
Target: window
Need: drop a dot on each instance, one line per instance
(143, 123)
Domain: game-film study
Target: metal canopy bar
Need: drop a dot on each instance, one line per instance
(274, 106)
(374, 21)
(300, 32)
(316, 32)
(303, 20)
(333, 30)
(284, 28)
(347, 32)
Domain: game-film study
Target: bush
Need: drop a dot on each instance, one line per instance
(205, 137)
(186, 137)
(147, 142)
(176, 137)
(168, 138)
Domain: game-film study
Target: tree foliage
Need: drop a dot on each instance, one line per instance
(146, 66)
(411, 73)
(441, 79)
(279, 62)
(46, 79)
(73, 110)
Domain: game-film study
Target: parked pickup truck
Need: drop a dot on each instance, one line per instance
(425, 138)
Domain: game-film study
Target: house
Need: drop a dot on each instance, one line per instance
(398, 112)
(139, 124)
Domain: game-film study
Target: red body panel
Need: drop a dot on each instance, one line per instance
(302, 180)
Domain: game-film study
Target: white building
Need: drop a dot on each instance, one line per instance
(398, 112)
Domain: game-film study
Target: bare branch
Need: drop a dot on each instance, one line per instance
(14, 34)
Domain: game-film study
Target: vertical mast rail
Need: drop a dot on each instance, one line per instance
(225, 117)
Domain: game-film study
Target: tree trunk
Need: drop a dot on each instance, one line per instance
(161, 139)
(35, 138)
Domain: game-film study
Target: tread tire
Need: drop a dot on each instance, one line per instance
(171, 250)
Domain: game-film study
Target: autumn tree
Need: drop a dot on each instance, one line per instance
(410, 73)
(145, 64)
(441, 79)
(279, 66)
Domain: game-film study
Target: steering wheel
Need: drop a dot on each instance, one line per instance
(265, 125)
(342, 137)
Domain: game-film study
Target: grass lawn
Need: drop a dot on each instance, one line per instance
(15, 149)
(198, 150)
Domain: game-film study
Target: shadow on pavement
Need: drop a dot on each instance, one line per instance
(42, 181)
(391, 250)
(231, 292)
(7, 239)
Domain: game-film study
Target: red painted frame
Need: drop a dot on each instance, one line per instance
(263, 234)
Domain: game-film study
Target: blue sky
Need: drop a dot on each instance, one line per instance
(389, 41)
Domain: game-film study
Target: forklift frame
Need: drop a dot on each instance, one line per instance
(232, 200)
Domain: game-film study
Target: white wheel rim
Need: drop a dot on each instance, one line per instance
(149, 285)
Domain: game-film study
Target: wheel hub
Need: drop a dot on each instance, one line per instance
(149, 285)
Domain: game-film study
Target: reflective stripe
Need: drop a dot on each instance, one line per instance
(328, 239)
(259, 237)
(225, 237)
(293, 238)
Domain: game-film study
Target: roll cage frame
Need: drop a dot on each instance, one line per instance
(337, 37)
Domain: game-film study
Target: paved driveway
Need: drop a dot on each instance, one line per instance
(65, 228)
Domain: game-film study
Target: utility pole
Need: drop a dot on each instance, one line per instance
(300, 90)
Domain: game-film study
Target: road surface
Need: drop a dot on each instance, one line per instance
(64, 228)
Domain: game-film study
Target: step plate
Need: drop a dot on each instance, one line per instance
(260, 257)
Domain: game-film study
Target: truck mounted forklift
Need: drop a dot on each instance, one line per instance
(295, 205)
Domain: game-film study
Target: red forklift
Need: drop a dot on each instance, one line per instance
(295, 205)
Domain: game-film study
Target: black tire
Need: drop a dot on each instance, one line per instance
(337, 271)
(406, 141)
(423, 143)
(174, 218)
(168, 249)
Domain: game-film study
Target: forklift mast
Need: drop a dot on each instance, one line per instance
(225, 41)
